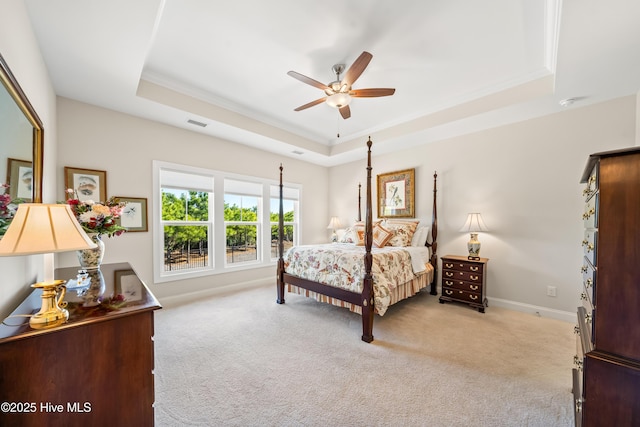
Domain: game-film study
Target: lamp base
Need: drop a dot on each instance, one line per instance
(52, 312)
(473, 246)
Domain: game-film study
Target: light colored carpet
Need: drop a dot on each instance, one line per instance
(243, 360)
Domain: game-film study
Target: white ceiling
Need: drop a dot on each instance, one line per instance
(457, 65)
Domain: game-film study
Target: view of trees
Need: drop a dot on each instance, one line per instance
(182, 241)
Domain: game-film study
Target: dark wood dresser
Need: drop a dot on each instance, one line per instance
(464, 280)
(95, 370)
(606, 376)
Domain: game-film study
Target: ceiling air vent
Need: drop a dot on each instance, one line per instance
(197, 123)
(299, 153)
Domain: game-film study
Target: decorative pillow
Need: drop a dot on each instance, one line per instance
(349, 236)
(359, 231)
(403, 231)
(381, 236)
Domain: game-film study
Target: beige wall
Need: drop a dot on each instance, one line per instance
(524, 179)
(20, 50)
(125, 146)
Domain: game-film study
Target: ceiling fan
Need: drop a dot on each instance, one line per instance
(339, 92)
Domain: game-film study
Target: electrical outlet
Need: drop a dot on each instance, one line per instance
(551, 291)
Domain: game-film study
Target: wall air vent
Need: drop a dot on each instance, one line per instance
(197, 123)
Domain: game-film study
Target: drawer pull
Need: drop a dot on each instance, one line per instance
(473, 287)
(448, 292)
(576, 330)
(590, 247)
(589, 282)
(587, 318)
(448, 274)
(583, 296)
(579, 405)
(585, 242)
(473, 297)
(448, 282)
(447, 265)
(584, 269)
(474, 277)
(472, 268)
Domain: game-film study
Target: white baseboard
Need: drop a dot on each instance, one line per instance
(565, 316)
(175, 300)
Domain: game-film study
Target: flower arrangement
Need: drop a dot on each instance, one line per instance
(97, 217)
(8, 209)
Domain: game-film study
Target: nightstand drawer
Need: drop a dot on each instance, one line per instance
(463, 275)
(462, 295)
(462, 285)
(462, 266)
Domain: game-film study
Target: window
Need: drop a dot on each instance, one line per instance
(209, 222)
(241, 220)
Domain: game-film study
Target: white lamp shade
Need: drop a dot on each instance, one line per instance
(334, 223)
(43, 228)
(474, 224)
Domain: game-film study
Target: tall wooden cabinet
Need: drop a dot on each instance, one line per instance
(95, 370)
(606, 376)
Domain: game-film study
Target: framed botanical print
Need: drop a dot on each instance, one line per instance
(396, 194)
(87, 183)
(134, 213)
(20, 179)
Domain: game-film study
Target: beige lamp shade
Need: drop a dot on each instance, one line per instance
(474, 224)
(334, 223)
(43, 228)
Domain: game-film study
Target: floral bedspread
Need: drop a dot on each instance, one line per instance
(342, 266)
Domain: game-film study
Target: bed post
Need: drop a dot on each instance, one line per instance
(280, 278)
(434, 241)
(359, 207)
(367, 289)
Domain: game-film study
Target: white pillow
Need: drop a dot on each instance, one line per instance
(420, 236)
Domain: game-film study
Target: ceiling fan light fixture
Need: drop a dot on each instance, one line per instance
(338, 100)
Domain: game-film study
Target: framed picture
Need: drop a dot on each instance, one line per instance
(396, 194)
(89, 184)
(134, 213)
(128, 285)
(20, 179)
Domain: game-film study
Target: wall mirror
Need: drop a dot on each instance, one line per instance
(21, 141)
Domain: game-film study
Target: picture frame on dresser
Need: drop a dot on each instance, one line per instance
(396, 194)
(128, 285)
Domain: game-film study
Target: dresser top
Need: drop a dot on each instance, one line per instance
(124, 294)
(593, 159)
(465, 258)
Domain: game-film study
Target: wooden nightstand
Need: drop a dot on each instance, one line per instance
(464, 280)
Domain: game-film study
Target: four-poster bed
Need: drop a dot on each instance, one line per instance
(395, 275)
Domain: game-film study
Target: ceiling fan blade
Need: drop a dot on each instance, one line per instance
(357, 68)
(345, 112)
(310, 104)
(308, 80)
(371, 93)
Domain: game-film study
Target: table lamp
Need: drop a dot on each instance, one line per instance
(40, 228)
(334, 224)
(473, 225)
